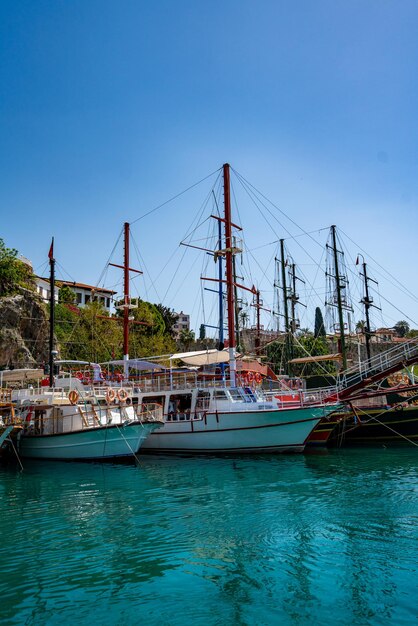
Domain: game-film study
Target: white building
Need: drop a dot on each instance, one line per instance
(182, 323)
(83, 293)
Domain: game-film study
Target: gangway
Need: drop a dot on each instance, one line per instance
(377, 368)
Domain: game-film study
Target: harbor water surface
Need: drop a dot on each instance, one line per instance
(307, 539)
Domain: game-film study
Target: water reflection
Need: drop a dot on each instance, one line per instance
(298, 540)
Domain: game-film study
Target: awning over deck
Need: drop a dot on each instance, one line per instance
(319, 357)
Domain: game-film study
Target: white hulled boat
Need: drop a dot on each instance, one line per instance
(74, 426)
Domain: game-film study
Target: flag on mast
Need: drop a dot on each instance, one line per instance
(51, 250)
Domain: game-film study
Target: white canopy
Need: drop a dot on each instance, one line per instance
(137, 364)
(203, 357)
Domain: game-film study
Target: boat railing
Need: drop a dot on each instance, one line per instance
(403, 352)
(302, 397)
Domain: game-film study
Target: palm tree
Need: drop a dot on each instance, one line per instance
(186, 338)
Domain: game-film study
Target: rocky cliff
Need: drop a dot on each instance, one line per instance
(24, 330)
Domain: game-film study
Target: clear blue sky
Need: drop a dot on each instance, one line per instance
(109, 107)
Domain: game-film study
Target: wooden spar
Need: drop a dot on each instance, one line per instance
(229, 274)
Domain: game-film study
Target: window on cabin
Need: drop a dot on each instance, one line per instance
(179, 407)
(78, 296)
(220, 394)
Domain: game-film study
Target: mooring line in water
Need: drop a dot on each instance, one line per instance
(17, 454)
(128, 444)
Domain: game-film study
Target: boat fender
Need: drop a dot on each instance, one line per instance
(73, 396)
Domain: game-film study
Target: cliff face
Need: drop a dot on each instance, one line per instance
(24, 330)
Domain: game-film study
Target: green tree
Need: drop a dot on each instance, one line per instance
(66, 295)
(319, 330)
(401, 328)
(169, 317)
(186, 338)
(13, 272)
(202, 332)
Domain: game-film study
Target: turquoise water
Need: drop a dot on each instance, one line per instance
(316, 539)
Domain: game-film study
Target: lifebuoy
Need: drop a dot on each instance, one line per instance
(258, 378)
(79, 375)
(110, 395)
(122, 395)
(73, 396)
(250, 377)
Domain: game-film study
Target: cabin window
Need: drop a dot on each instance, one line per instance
(78, 297)
(202, 400)
(86, 299)
(220, 394)
(236, 395)
(153, 400)
(179, 407)
(108, 303)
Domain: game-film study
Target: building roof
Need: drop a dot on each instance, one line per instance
(71, 283)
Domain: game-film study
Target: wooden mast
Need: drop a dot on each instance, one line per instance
(337, 277)
(126, 302)
(288, 339)
(51, 313)
(229, 275)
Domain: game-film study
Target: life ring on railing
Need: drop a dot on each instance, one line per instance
(110, 395)
(258, 378)
(79, 375)
(73, 396)
(250, 377)
(122, 395)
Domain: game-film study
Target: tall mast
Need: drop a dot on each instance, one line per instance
(51, 313)
(339, 299)
(126, 301)
(229, 275)
(288, 345)
(221, 293)
(367, 301)
(258, 326)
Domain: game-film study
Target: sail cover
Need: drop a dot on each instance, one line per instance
(137, 364)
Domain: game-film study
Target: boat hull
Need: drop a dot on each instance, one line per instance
(105, 443)
(377, 426)
(240, 432)
(323, 432)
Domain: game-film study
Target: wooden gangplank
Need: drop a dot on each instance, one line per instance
(378, 368)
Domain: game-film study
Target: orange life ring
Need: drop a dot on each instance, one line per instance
(258, 378)
(250, 377)
(110, 395)
(79, 375)
(122, 395)
(73, 396)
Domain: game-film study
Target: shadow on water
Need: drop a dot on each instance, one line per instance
(238, 540)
